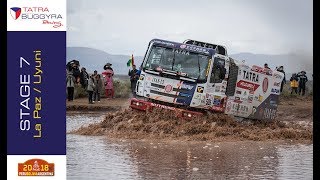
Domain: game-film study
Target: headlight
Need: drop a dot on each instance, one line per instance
(141, 78)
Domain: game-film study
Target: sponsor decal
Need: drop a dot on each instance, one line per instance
(269, 113)
(168, 88)
(35, 167)
(208, 102)
(258, 98)
(273, 103)
(247, 85)
(154, 88)
(251, 92)
(186, 86)
(245, 93)
(237, 101)
(162, 106)
(180, 51)
(243, 109)
(184, 94)
(217, 100)
(254, 110)
(275, 91)
(198, 96)
(194, 48)
(217, 89)
(250, 76)
(236, 98)
(202, 44)
(265, 85)
(244, 99)
(250, 98)
(240, 107)
(235, 106)
(238, 92)
(164, 42)
(157, 80)
(182, 46)
(277, 84)
(200, 89)
(228, 108)
(261, 70)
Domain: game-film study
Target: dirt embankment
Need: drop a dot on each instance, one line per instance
(81, 104)
(296, 108)
(294, 122)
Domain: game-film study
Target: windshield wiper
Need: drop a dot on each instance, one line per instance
(199, 67)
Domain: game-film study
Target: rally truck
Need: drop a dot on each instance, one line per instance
(193, 77)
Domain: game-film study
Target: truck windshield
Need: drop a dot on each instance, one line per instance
(193, 65)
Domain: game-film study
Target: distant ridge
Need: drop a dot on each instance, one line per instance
(94, 59)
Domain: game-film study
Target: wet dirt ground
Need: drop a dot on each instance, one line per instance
(106, 140)
(294, 122)
(103, 157)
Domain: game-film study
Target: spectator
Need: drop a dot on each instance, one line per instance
(302, 82)
(294, 83)
(95, 73)
(73, 66)
(266, 66)
(280, 69)
(108, 66)
(109, 84)
(70, 85)
(90, 88)
(98, 87)
(139, 71)
(133, 79)
(84, 76)
(108, 75)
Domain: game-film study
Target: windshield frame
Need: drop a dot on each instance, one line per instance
(199, 72)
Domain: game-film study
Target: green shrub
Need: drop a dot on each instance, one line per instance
(286, 92)
(79, 92)
(121, 90)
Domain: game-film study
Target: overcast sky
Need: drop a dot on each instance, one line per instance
(256, 26)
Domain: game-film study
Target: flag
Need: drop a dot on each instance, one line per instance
(130, 61)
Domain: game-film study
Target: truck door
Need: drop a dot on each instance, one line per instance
(217, 84)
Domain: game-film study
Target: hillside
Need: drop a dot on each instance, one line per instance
(94, 59)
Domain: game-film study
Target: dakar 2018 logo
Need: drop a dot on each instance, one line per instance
(37, 13)
(36, 167)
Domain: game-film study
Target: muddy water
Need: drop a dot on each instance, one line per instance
(98, 157)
